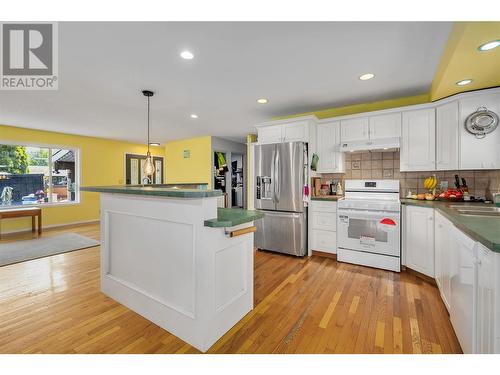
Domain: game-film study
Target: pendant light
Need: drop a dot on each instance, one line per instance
(148, 165)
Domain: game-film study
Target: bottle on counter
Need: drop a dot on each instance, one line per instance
(339, 189)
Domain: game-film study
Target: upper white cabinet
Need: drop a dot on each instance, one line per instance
(385, 126)
(478, 153)
(419, 239)
(418, 140)
(331, 160)
(270, 134)
(447, 136)
(355, 129)
(298, 129)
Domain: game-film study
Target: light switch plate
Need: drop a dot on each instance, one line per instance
(187, 154)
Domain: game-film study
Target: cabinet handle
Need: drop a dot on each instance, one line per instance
(240, 232)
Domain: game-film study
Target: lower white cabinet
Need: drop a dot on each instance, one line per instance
(418, 246)
(467, 275)
(442, 246)
(323, 224)
(487, 302)
(462, 283)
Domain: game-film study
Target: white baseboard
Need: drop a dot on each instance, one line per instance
(53, 226)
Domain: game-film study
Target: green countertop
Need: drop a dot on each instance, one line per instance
(229, 217)
(159, 191)
(485, 230)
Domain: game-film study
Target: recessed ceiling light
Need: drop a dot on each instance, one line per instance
(187, 55)
(464, 82)
(193, 115)
(489, 45)
(154, 143)
(366, 76)
(262, 101)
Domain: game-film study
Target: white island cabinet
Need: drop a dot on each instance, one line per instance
(170, 259)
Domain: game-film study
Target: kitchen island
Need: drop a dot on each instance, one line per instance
(172, 256)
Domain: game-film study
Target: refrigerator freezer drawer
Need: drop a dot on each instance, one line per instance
(283, 232)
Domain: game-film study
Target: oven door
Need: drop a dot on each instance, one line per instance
(370, 231)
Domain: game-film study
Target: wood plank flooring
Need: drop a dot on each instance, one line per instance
(310, 305)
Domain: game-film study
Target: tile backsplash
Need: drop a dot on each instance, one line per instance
(385, 165)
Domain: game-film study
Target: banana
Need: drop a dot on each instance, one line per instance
(430, 183)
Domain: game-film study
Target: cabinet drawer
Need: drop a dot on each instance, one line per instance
(323, 240)
(324, 220)
(323, 206)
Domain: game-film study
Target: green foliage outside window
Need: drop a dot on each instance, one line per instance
(13, 159)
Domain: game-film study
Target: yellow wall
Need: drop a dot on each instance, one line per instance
(365, 107)
(102, 163)
(197, 168)
(462, 60)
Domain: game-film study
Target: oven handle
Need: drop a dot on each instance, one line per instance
(368, 213)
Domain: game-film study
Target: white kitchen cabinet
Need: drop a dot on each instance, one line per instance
(462, 284)
(488, 318)
(478, 153)
(323, 226)
(442, 227)
(447, 136)
(385, 126)
(270, 134)
(418, 238)
(298, 129)
(331, 160)
(418, 151)
(355, 129)
(295, 132)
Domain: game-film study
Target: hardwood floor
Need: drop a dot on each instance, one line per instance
(310, 305)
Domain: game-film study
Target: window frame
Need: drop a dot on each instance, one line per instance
(51, 146)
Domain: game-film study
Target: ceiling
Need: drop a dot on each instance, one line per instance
(461, 60)
(298, 66)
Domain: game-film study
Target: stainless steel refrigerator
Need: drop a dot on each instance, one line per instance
(279, 171)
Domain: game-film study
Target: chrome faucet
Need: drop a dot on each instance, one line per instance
(148, 181)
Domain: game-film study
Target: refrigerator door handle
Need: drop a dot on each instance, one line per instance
(273, 175)
(278, 177)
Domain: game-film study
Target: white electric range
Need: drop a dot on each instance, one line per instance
(369, 225)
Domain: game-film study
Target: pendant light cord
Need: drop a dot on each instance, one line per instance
(148, 124)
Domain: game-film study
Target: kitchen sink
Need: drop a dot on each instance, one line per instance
(477, 211)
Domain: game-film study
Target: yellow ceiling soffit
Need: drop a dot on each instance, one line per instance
(364, 107)
(461, 59)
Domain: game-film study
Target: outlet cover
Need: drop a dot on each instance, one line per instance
(187, 154)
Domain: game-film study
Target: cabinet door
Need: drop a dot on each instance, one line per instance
(331, 160)
(323, 240)
(385, 126)
(419, 239)
(354, 129)
(485, 338)
(462, 283)
(479, 153)
(418, 151)
(447, 137)
(442, 255)
(295, 132)
(269, 134)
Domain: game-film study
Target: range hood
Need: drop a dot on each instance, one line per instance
(383, 144)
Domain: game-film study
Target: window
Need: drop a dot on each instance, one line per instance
(31, 175)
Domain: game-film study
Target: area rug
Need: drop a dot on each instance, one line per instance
(20, 251)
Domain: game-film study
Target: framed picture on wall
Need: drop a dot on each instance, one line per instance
(134, 169)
